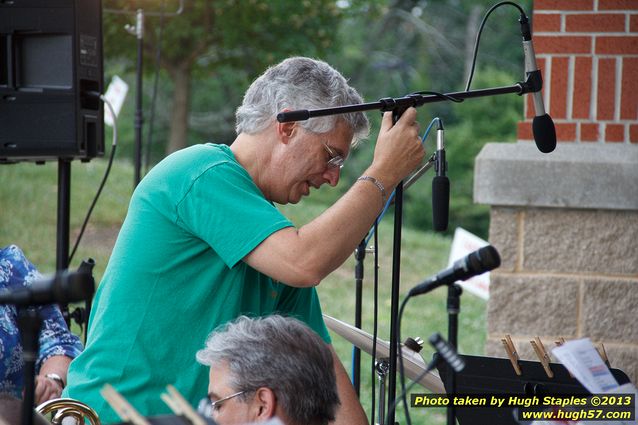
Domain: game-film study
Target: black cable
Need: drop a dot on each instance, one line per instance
(106, 175)
(151, 118)
(375, 326)
(408, 420)
(478, 36)
(404, 390)
(440, 95)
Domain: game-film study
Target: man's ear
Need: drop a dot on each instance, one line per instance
(285, 130)
(265, 404)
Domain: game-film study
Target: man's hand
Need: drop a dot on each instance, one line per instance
(398, 150)
(46, 389)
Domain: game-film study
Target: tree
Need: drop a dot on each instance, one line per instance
(209, 37)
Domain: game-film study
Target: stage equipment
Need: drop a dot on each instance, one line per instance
(542, 124)
(50, 84)
(444, 351)
(138, 31)
(68, 408)
(414, 363)
(50, 58)
(63, 287)
(440, 185)
(359, 256)
(487, 375)
(478, 262)
(544, 142)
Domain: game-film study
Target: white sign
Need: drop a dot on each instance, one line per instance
(463, 244)
(115, 94)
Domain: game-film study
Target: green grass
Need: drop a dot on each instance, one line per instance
(28, 204)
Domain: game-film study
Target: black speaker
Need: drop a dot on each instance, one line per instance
(50, 79)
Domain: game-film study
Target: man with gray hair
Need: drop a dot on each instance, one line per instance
(269, 367)
(203, 243)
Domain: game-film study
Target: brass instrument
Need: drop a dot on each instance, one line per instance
(68, 407)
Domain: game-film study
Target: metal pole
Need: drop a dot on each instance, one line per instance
(139, 116)
(63, 224)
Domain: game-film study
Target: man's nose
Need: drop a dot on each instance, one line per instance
(332, 175)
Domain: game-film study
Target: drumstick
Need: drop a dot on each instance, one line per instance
(123, 408)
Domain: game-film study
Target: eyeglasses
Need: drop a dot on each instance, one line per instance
(206, 407)
(336, 160)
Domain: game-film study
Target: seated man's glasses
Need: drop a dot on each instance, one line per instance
(207, 407)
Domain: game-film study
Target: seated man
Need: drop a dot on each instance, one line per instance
(58, 346)
(267, 368)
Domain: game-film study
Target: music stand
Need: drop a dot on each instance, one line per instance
(489, 375)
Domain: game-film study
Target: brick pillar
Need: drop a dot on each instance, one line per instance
(566, 223)
(588, 54)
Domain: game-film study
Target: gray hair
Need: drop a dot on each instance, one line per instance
(283, 354)
(300, 83)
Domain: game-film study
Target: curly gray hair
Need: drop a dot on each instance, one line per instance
(300, 83)
(280, 353)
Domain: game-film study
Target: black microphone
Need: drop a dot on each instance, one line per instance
(542, 125)
(63, 287)
(440, 185)
(447, 352)
(478, 262)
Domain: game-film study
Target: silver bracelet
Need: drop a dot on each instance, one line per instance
(55, 378)
(377, 183)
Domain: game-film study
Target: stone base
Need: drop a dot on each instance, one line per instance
(566, 226)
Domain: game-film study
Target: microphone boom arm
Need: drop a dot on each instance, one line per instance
(415, 100)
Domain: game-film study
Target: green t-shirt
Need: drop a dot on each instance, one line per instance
(176, 274)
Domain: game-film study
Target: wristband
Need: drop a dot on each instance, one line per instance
(377, 183)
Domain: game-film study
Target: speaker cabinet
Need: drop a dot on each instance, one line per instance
(50, 78)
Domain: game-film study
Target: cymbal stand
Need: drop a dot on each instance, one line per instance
(382, 367)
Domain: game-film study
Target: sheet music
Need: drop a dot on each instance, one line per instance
(583, 361)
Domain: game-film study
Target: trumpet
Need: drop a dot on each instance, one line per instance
(68, 408)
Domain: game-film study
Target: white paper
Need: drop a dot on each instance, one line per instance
(582, 360)
(115, 94)
(463, 244)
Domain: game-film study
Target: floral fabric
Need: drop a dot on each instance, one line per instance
(55, 338)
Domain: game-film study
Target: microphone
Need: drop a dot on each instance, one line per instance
(447, 352)
(440, 185)
(63, 287)
(542, 125)
(477, 262)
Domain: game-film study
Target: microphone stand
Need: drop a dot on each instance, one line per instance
(138, 32)
(394, 306)
(29, 323)
(453, 309)
(359, 255)
(397, 106)
(63, 226)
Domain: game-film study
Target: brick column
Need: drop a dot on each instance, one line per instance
(566, 223)
(588, 54)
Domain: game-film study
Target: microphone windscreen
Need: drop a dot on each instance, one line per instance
(440, 203)
(487, 259)
(544, 133)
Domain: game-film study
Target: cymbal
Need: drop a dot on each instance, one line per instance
(413, 363)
